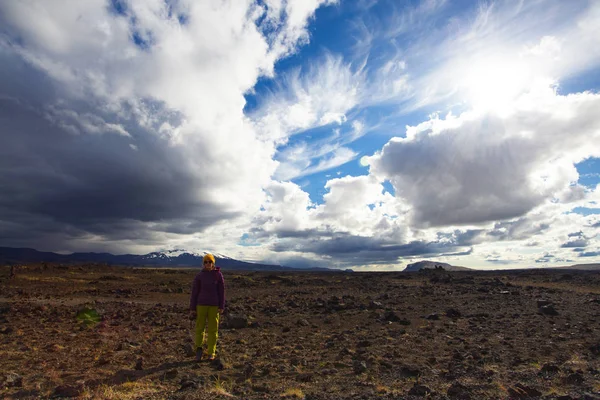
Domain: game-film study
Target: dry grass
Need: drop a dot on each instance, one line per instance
(125, 391)
(554, 392)
(51, 279)
(293, 393)
(222, 387)
(576, 362)
(500, 389)
(387, 390)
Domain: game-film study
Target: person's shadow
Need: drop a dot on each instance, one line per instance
(130, 375)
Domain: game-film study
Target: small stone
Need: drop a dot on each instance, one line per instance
(575, 378)
(67, 391)
(419, 390)
(375, 305)
(549, 369)
(458, 391)
(236, 321)
(359, 367)
(193, 383)
(305, 377)
(452, 313)
(408, 371)
(170, 374)
(218, 364)
(328, 372)
(6, 330)
(391, 316)
(542, 303)
(13, 380)
(548, 310)
(262, 388)
(188, 349)
(523, 392)
(595, 349)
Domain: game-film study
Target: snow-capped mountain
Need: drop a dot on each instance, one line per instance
(180, 257)
(174, 253)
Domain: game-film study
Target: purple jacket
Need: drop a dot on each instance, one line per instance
(208, 289)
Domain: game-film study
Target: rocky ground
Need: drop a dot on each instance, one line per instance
(435, 335)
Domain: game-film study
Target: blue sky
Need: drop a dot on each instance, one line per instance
(349, 134)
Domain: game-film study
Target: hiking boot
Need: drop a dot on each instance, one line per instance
(211, 357)
(199, 354)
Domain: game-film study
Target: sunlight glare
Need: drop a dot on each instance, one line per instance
(492, 84)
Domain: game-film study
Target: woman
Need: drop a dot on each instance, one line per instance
(206, 304)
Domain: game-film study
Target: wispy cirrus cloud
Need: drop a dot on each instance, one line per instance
(321, 94)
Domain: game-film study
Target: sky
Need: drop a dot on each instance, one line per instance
(357, 134)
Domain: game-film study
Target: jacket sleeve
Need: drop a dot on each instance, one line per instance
(195, 291)
(221, 291)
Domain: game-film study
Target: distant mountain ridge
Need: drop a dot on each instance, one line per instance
(583, 267)
(167, 258)
(425, 264)
(188, 258)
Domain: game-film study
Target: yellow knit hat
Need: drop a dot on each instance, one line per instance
(209, 257)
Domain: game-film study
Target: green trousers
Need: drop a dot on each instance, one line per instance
(208, 314)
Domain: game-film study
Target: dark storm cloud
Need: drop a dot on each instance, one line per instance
(575, 243)
(300, 262)
(260, 233)
(590, 254)
(500, 261)
(351, 249)
(546, 258)
(520, 229)
(458, 253)
(58, 185)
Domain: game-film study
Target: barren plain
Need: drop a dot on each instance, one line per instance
(94, 331)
